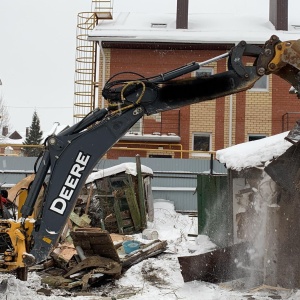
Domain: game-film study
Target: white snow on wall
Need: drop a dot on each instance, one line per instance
(129, 168)
(254, 153)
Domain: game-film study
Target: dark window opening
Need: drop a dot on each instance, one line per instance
(201, 143)
(160, 156)
(255, 137)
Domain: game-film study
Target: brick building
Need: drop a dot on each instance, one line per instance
(153, 37)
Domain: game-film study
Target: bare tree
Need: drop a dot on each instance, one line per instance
(4, 115)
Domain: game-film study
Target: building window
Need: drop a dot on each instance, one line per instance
(136, 128)
(261, 85)
(201, 142)
(160, 156)
(255, 137)
(203, 72)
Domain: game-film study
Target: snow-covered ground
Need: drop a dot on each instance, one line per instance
(154, 278)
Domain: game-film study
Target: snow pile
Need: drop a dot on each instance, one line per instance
(153, 278)
(255, 153)
(175, 228)
(128, 168)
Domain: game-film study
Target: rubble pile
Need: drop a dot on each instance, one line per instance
(92, 256)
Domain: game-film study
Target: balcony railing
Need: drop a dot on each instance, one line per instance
(289, 120)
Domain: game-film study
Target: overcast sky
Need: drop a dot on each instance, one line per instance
(37, 59)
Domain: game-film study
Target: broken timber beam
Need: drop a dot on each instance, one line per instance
(148, 250)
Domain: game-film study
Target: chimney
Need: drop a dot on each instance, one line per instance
(4, 130)
(278, 14)
(182, 14)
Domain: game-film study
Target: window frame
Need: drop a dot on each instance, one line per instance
(209, 70)
(139, 124)
(260, 135)
(258, 89)
(204, 134)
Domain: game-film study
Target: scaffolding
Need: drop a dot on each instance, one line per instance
(86, 83)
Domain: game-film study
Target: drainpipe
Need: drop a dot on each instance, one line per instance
(230, 121)
(103, 70)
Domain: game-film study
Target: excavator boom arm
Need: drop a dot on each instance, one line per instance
(72, 154)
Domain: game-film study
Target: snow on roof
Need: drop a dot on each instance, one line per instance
(7, 140)
(128, 168)
(254, 153)
(211, 21)
(56, 128)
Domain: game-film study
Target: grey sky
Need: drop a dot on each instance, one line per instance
(37, 59)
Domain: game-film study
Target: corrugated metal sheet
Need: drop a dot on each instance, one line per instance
(13, 169)
(173, 179)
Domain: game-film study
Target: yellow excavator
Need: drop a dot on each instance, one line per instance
(71, 155)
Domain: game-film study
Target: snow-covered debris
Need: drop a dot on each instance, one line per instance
(254, 153)
(128, 168)
(153, 278)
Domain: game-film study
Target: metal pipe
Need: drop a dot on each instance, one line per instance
(230, 121)
(103, 71)
(213, 59)
(80, 253)
(153, 144)
(163, 150)
(188, 68)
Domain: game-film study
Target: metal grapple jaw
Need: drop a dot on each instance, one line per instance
(284, 170)
(286, 62)
(294, 135)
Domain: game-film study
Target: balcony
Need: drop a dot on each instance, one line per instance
(289, 120)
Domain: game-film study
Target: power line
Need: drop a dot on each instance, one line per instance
(39, 107)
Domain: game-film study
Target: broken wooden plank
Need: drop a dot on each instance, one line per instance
(118, 237)
(83, 221)
(266, 288)
(133, 205)
(95, 241)
(118, 215)
(107, 266)
(88, 202)
(66, 231)
(63, 253)
(56, 281)
(146, 251)
(216, 266)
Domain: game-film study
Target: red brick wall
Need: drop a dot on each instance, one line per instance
(152, 62)
(249, 115)
(240, 118)
(283, 102)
